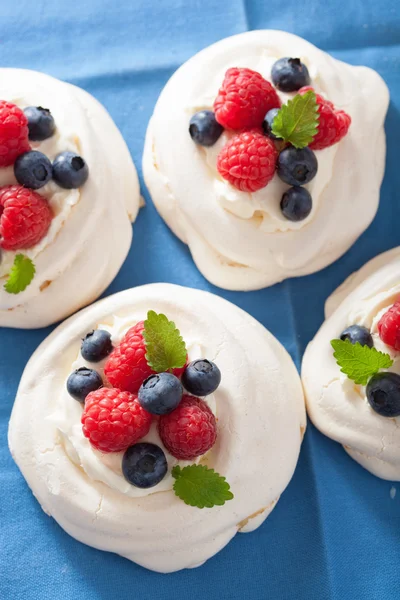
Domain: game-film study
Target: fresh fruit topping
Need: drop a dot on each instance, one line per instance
(389, 326)
(21, 274)
(160, 394)
(113, 420)
(40, 123)
(70, 170)
(383, 394)
(96, 345)
(83, 381)
(201, 377)
(144, 465)
(358, 333)
(333, 124)
(190, 430)
(289, 74)
(165, 348)
(358, 362)
(204, 128)
(268, 121)
(13, 133)
(244, 99)
(297, 166)
(25, 217)
(296, 203)
(248, 161)
(33, 169)
(199, 486)
(297, 121)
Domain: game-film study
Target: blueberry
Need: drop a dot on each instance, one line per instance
(83, 381)
(204, 128)
(383, 394)
(267, 123)
(290, 74)
(297, 166)
(357, 333)
(40, 123)
(70, 171)
(296, 203)
(201, 377)
(144, 465)
(32, 169)
(160, 394)
(96, 345)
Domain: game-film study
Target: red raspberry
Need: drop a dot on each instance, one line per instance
(126, 367)
(190, 430)
(25, 217)
(389, 326)
(248, 161)
(244, 99)
(113, 420)
(333, 124)
(13, 133)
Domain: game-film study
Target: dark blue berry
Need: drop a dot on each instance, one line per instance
(297, 166)
(204, 128)
(267, 123)
(144, 465)
(201, 377)
(296, 203)
(96, 345)
(290, 74)
(32, 169)
(40, 123)
(383, 394)
(83, 381)
(160, 394)
(357, 333)
(70, 171)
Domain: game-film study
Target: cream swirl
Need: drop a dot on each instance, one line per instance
(261, 420)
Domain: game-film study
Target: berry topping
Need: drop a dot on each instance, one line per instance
(40, 123)
(96, 345)
(383, 394)
(289, 74)
(70, 171)
(201, 377)
(33, 169)
(389, 326)
(144, 465)
(357, 334)
(204, 129)
(83, 381)
(296, 203)
(248, 161)
(190, 430)
(113, 420)
(333, 124)
(25, 217)
(244, 99)
(160, 394)
(297, 166)
(13, 133)
(267, 123)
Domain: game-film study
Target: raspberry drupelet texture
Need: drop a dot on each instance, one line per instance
(14, 133)
(389, 326)
(244, 99)
(25, 217)
(113, 420)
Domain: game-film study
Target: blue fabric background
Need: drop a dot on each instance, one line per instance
(336, 531)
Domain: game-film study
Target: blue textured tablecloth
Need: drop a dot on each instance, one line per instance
(335, 533)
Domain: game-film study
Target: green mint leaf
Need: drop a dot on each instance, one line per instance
(297, 121)
(21, 274)
(199, 486)
(165, 348)
(358, 362)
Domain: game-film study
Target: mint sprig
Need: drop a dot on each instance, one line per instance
(21, 274)
(199, 486)
(165, 348)
(358, 362)
(297, 121)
